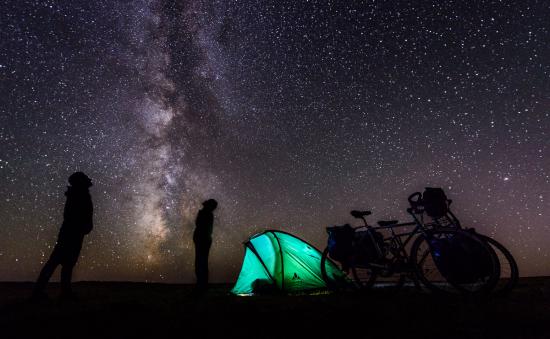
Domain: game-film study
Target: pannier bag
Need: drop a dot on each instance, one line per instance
(435, 202)
(460, 259)
(367, 247)
(340, 240)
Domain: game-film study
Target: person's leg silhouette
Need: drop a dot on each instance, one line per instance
(45, 275)
(66, 275)
(202, 249)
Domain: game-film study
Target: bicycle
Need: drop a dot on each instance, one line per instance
(371, 257)
(509, 271)
(365, 255)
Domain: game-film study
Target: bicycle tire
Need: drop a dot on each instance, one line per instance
(505, 283)
(390, 283)
(324, 274)
(363, 277)
(395, 280)
(352, 274)
(437, 282)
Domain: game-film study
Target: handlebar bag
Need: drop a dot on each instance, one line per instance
(435, 202)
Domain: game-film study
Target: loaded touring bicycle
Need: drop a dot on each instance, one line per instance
(433, 251)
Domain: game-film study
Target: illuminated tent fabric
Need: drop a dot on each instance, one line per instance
(279, 260)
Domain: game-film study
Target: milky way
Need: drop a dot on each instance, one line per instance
(170, 183)
(290, 114)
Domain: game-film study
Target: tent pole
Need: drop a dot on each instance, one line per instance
(282, 262)
(253, 249)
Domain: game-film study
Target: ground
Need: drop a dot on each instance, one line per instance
(139, 310)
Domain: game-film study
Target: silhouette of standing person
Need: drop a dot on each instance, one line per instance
(202, 237)
(77, 222)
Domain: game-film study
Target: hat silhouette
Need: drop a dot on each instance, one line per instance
(210, 204)
(79, 179)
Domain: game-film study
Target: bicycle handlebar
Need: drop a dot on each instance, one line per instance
(416, 201)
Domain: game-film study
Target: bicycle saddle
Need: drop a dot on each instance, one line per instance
(360, 214)
(387, 222)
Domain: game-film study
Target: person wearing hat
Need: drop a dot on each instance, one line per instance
(202, 237)
(77, 222)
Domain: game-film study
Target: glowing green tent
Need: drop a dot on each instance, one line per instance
(276, 260)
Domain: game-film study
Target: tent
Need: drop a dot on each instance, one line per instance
(276, 260)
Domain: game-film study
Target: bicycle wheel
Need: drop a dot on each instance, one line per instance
(364, 277)
(391, 283)
(443, 271)
(361, 277)
(509, 272)
(395, 275)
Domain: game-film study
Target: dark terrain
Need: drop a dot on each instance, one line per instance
(140, 310)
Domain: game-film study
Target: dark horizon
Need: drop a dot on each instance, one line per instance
(55, 281)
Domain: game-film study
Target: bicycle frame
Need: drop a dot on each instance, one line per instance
(396, 238)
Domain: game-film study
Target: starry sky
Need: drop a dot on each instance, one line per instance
(289, 113)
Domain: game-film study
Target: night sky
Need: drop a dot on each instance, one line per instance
(290, 114)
